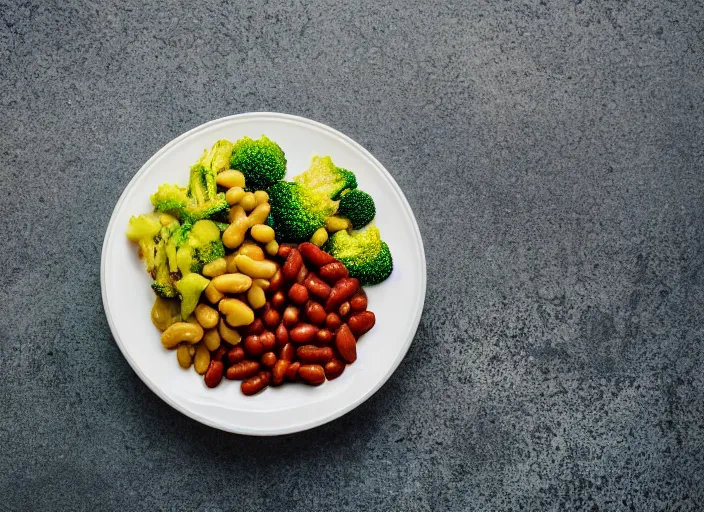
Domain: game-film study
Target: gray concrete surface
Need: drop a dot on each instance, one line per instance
(552, 153)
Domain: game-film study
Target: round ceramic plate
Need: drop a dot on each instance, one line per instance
(397, 302)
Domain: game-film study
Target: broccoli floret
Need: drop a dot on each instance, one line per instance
(357, 206)
(205, 254)
(163, 285)
(201, 184)
(365, 255)
(205, 244)
(206, 210)
(324, 177)
(200, 201)
(143, 230)
(298, 211)
(218, 158)
(262, 161)
(189, 288)
(153, 240)
(173, 235)
(170, 199)
(203, 192)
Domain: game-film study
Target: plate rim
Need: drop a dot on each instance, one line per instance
(420, 301)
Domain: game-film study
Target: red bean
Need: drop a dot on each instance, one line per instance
(312, 374)
(213, 375)
(361, 322)
(255, 384)
(268, 359)
(292, 265)
(298, 294)
(290, 316)
(332, 321)
(315, 312)
(334, 368)
(313, 354)
(242, 370)
(236, 354)
(303, 333)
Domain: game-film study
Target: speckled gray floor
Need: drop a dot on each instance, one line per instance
(552, 153)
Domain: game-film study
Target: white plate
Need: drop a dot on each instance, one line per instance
(397, 302)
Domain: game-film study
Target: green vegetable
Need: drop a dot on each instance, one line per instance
(206, 244)
(218, 158)
(358, 207)
(184, 260)
(262, 161)
(201, 245)
(190, 287)
(162, 285)
(201, 184)
(170, 199)
(297, 211)
(144, 226)
(324, 177)
(200, 201)
(203, 192)
(143, 230)
(364, 254)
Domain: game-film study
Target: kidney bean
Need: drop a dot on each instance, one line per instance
(361, 322)
(298, 294)
(290, 316)
(281, 335)
(278, 300)
(292, 265)
(255, 384)
(213, 375)
(284, 251)
(303, 333)
(342, 291)
(333, 272)
(275, 282)
(324, 337)
(235, 354)
(313, 354)
(219, 354)
(268, 359)
(292, 371)
(271, 318)
(312, 374)
(278, 372)
(358, 302)
(315, 255)
(317, 286)
(302, 274)
(287, 352)
(334, 368)
(332, 321)
(256, 327)
(242, 370)
(315, 312)
(346, 344)
(344, 309)
(268, 340)
(253, 345)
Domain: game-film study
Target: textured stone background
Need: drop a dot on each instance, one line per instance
(552, 153)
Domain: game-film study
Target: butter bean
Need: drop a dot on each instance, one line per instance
(202, 359)
(264, 234)
(230, 178)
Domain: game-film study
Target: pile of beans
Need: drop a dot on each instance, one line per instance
(307, 330)
(293, 316)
